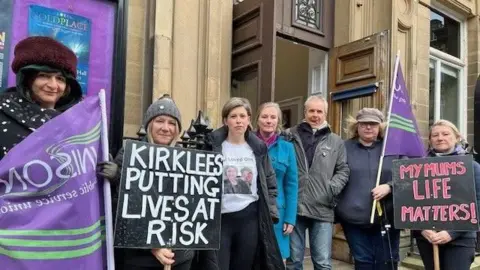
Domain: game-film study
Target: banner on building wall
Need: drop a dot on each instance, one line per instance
(98, 17)
(5, 37)
(72, 30)
(435, 193)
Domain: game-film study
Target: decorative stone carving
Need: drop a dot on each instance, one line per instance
(404, 7)
(307, 13)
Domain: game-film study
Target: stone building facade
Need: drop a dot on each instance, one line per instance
(184, 48)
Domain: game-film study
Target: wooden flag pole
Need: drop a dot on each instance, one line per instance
(380, 164)
(169, 245)
(436, 258)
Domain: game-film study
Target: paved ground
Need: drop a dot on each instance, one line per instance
(336, 265)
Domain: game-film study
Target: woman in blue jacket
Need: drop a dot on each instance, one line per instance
(456, 248)
(282, 155)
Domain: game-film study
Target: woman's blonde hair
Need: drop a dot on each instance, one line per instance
(445, 123)
(352, 128)
(279, 114)
(174, 140)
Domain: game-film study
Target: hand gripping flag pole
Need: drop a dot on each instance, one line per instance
(376, 204)
(401, 139)
(401, 135)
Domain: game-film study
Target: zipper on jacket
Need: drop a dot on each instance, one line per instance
(307, 167)
(299, 142)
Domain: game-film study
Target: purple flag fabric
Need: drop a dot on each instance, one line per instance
(403, 137)
(51, 203)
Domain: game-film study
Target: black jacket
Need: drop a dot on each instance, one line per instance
(201, 260)
(459, 238)
(20, 116)
(268, 257)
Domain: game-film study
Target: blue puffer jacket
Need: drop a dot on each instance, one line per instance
(458, 237)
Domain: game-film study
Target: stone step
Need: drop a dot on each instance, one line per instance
(414, 262)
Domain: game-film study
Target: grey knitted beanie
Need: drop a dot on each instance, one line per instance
(163, 106)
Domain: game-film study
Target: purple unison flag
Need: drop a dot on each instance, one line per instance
(51, 203)
(403, 137)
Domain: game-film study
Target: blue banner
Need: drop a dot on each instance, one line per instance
(72, 30)
(6, 7)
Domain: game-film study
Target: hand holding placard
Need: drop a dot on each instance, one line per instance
(169, 194)
(435, 194)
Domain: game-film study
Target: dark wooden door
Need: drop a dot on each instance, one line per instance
(359, 76)
(253, 51)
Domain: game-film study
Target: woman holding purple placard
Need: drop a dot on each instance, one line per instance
(456, 249)
(46, 86)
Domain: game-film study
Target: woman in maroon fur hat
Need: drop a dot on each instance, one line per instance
(46, 86)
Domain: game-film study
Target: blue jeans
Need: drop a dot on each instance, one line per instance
(370, 249)
(321, 234)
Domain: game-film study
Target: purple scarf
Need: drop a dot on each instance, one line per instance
(268, 141)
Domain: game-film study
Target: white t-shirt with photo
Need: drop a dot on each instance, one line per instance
(239, 177)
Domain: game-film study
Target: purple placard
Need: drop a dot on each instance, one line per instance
(102, 15)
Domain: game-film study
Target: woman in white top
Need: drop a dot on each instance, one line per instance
(247, 236)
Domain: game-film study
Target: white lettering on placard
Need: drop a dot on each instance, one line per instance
(177, 190)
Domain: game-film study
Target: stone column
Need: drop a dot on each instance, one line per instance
(135, 66)
(192, 55)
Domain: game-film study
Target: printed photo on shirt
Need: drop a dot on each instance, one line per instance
(247, 175)
(233, 182)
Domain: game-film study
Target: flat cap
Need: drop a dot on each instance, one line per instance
(370, 115)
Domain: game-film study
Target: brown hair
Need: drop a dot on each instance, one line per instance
(279, 114)
(31, 75)
(234, 103)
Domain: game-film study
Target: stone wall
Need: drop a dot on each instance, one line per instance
(181, 48)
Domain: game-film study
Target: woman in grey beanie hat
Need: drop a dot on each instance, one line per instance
(162, 122)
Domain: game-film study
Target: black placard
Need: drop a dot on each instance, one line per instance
(435, 193)
(169, 197)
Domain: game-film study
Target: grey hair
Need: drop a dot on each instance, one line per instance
(311, 98)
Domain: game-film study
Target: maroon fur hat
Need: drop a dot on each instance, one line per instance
(44, 51)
